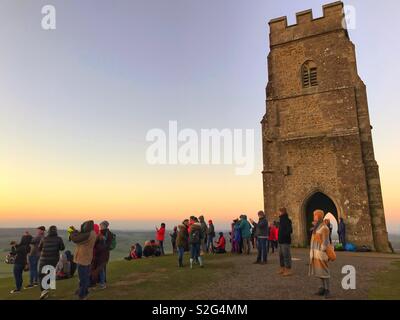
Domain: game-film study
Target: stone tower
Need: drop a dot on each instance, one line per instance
(317, 142)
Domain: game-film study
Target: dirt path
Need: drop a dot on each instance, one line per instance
(249, 281)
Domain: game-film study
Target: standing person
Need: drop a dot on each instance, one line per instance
(210, 236)
(181, 242)
(203, 235)
(160, 236)
(245, 230)
(22, 249)
(237, 236)
(49, 248)
(100, 256)
(329, 225)
(342, 232)
(285, 241)
(33, 258)
(85, 240)
(318, 257)
(110, 241)
(272, 238)
(186, 224)
(173, 236)
(262, 237)
(195, 240)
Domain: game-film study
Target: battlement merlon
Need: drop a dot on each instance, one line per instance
(306, 26)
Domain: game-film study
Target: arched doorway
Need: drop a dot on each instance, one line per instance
(322, 202)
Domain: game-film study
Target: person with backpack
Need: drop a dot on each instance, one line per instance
(210, 236)
(85, 240)
(245, 230)
(181, 242)
(160, 236)
(33, 258)
(195, 241)
(285, 241)
(22, 249)
(110, 242)
(203, 235)
(50, 248)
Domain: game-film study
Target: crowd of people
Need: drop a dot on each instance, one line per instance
(93, 243)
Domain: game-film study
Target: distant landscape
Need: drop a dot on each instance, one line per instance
(124, 240)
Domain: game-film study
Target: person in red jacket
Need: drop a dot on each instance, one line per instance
(220, 244)
(273, 238)
(160, 236)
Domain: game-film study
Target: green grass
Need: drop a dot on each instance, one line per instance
(153, 278)
(387, 284)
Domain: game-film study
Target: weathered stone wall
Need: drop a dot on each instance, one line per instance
(318, 139)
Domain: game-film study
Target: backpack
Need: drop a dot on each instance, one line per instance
(113, 244)
(195, 236)
(113, 241)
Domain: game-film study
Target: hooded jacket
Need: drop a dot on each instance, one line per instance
(85, 241)
(50, 248)
(182, 236)
(245, 228)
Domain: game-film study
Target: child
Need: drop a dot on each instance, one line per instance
(10, 258)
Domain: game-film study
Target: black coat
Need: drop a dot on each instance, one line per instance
(50, 248)
(22, 250)
(285, 230)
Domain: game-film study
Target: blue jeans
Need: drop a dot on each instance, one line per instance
(84, 280)
(210, 246)
(195, 250)
(262, 249)
(18, 271)
(181, 251)
(33, 269)
(102, 277)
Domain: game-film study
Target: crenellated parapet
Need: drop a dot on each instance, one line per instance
(333, 19)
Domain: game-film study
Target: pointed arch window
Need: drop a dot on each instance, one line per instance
(309, 74)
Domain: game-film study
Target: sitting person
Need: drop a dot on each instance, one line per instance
(135, 252)
(63, 267)
(157, 248)
(148, 250)
(220, 244)
(138, 251)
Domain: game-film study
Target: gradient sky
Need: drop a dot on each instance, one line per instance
(76, 104)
